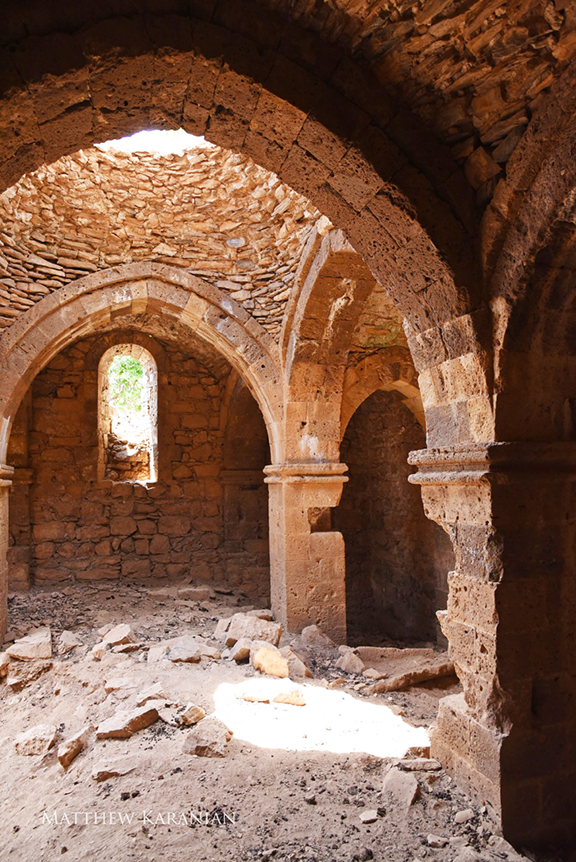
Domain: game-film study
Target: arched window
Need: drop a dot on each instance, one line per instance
(128, 414)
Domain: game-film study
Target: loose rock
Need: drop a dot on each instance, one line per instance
(209, 738)
(35, 645)
(124, 723)
(67, 642)
(401, 787)
(121, 634)
(37, 740)
(268, 659)
(245, 626)
(71, 748)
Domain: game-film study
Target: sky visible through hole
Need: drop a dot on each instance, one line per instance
(156, 141)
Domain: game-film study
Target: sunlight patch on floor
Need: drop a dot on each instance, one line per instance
(331, 720)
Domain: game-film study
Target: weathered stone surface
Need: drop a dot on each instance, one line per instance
(67, 642)
(153, 692)
(4, 664)
(222, 627)
(297, 665)
(197, 594)
(254, 628)
(37, 740)
(120, 634)
(293, 698)
(105, 770)
(35, 645)
(191, 714)
(350, 663)
(400, 787)
(209, 738)
(125, 723)
(187, 649)
(436, 841)
(268, 659)
(313, 636)
(419, 764)
(157, 653)
(22, 674)
(264, 614)
(405, 667)
(241, 650)
(98, 651)
(71, 747)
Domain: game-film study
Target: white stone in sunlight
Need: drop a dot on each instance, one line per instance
(330, 720)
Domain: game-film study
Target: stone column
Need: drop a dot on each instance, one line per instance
(5, 476)
(307, 564)
(511, 624)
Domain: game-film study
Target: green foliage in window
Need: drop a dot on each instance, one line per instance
(125, 384)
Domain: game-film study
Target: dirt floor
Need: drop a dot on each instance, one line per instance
(254, 803)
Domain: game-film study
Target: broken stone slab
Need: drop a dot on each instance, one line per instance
(157, 653)
(67, 642)
(21, 675)
(297, 664)
(121, 634)
(209, 738)
(125, 723)
(222, 627)
(119, 683)
(400, 787)
(349, 662)
(37, 644)
(404, 667)
(245, 626)
(4, 664)
(264, 614)
(241, 650)
(372, 673)
(436, 841)
(313, 636)
(36, 740)
(207, 651)
(124, 648)
(191, 714)
(71, 747)
(153, 692)
(292, 698)
(419, 764)
(197, 594)
(104, 771)
(268, 659)
(186, 649)
(98, 651)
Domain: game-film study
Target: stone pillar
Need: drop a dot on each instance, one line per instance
(307, 564)
(511, 624)
(5, 476)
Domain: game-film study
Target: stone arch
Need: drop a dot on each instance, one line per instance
(390, 370)
(58, 319)
(325, 127)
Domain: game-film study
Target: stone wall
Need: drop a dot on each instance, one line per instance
(85, 528)
(397, 561)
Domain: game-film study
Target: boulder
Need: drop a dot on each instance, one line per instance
(401, 788)
(37, 740)
(245, 626)
(71, 747)
(125, 723)
(121, 634)
(268, 659)
(67, 642)
(37, 644)
(209, 738)
(187, 649)
(4, 664)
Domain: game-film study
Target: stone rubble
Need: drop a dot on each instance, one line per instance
(268, 659)
(71, 747)
(246, 626)
(124, 723)
(35, 645)
(36, 740)
(209, 738)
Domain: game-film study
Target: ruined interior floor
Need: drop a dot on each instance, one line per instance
(286, 804)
